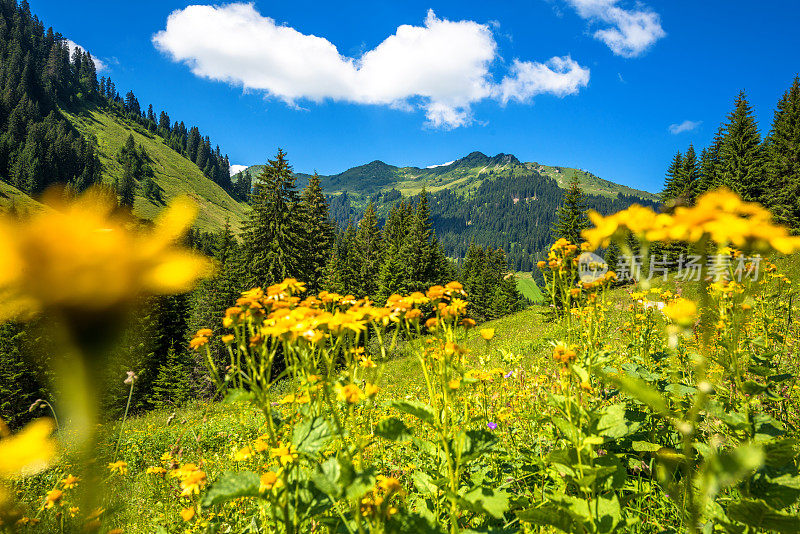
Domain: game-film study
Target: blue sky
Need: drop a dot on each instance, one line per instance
(593, 84)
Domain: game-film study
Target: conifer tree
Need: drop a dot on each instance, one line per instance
(741, 162)
(369, 251)
(272, 239)
(317, 234)
(672, 179)
(783, 158)
(572, 218)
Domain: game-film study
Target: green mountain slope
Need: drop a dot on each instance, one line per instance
(174, 174)
(460, 176)
(10, 197)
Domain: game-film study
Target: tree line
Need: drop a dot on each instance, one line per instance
(760, 170)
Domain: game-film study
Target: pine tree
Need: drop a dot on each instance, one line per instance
(672, 179)
(783, 158)
(572, 218)
(317, 234)
(741, 162)
(271, 238)
(369, 250)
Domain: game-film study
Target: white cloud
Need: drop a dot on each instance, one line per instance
(631, 31)
(685, 126)
(441, 67)
(236, 169)
(560, 76)
(99, 65)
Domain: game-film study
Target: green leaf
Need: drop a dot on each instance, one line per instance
(753, 388)
(393, 429)
(645, 446)
(760, 515)
(424, 483)
(232, 486)
(327, 478)
(238, 395)
(643, 392)
(312, 435)
(613, 424)
(474, 443)
(552, 515)
(487, 500)
(420, 410)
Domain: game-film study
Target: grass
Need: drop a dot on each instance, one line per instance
(529, 288)
(174, 174)
(11, 196)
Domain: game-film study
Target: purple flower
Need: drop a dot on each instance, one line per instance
(492, 426)
(508, 374)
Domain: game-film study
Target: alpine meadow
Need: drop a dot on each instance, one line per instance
(493, 344)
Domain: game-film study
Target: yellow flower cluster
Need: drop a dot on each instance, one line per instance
(720, 216)
(82, 256)
(192, 478)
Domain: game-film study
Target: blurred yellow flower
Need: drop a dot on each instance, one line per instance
(27, 452)
(719, 215)
(53, 497)
(487, 333)
(82, 256)
(187, 514)
(681, 311)
(70, 481)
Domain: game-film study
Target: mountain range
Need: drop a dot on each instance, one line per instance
(460, 176)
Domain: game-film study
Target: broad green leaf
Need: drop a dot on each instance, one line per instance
(643, 392)
(312, 435)
(327, 478)
(613, 424)
(420, 410)
(232, 486)
(233, 396)
(753, 388)
(474, 443)
(393, 429)
(760, 515)
(424, 483)
(487, 500)
(552, 515)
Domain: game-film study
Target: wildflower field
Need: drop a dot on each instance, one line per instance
(659, 406)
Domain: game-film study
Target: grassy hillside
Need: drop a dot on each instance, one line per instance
(529, 288)
(174, 174)
(11, 196)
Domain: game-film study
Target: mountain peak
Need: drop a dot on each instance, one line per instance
(479, 158)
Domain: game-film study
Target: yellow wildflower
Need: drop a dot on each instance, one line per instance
(487, 333)
(349, 393)
(187, 514)
(243, 454)
(70, 481)
(119, 466)
(192, 483)
(370, 390)
(53, 497)
(83, 257)
(27, 452)
(268, 481)
(285, 454)
(681, 311)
